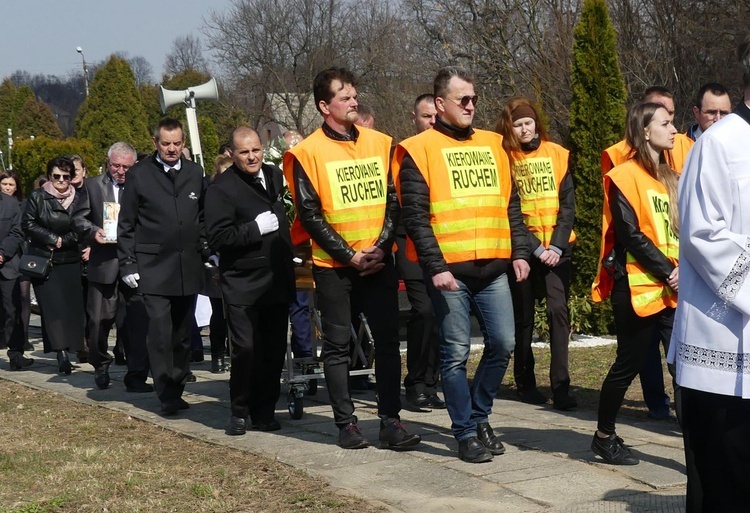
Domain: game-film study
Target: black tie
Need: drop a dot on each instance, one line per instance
(172, 173)
(120, 187)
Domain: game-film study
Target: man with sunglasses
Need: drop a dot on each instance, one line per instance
(711, 104)
(463, 218)
(346, 202)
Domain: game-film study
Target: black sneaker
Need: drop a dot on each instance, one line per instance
(350, 437)
(393, 435)
(472, 450)
(612, 449)
(531, 396)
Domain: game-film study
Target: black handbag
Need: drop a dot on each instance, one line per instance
(35, 266)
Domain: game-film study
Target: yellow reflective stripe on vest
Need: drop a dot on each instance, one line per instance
(476, 202)
(464, 245)
(541, 222)
(644, 298)
(360, 234)
(349, 216)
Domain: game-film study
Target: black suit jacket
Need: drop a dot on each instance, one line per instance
(255, 269)
(160, 228)
(103, 265)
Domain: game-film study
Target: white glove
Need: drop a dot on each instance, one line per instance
(267, 222)
(131, 280)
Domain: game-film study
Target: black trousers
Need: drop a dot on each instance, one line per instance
(218, 328)
(716, 430)
(258, 350)
(422, 342)
(554, 284)
(342, 291)
(168, 321)
(135, 333)
(102, 304)
(13, 327)
(634, 337)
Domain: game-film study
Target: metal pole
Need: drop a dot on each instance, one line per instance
(10, 149)
(85, 70)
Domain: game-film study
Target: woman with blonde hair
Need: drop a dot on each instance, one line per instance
(639, 262)
(539, 169)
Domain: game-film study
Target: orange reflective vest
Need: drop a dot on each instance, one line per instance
(470, 186)
(650, 201)
(538, 175)
(676, 157)
(351, 179)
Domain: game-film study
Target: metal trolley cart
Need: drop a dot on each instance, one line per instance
(302, 375)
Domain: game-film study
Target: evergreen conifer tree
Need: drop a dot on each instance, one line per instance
(114, 111)
(597, 120)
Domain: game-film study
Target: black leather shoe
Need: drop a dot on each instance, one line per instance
(139, 388)
(83, 356)
(472, 450)
(350, 437)
(563, 401)
(190, 378)
(418, 400)
(612, 449)
(182, 404)
(170, 408)
(531, 396)
(218, 365)
(63, 362)
(196, 355)
(20, 362)
(237, 426)
(393, 435)
(101, 377)
(436, 402)
(489, 440)
(120, 358)
(270, 425)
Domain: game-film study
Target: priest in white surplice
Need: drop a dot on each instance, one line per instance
(711, 338)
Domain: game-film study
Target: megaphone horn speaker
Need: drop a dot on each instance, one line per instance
(167, 98)
(207, 91)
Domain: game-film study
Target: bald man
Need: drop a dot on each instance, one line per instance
(247, 225)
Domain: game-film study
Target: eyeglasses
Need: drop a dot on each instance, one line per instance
(464, 100)
(715, 112)
(60, 178)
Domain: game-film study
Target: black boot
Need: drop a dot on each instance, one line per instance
(489, 440)
(63, 362)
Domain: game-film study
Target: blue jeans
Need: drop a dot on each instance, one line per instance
(491, 303)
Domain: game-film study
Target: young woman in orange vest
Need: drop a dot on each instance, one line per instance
(540, 171)
(639, 262)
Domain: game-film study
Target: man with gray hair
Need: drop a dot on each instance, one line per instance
(105, 294)
(711, 333)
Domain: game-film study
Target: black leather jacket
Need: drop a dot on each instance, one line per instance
(308, 204)
(44, 220)
(415, 196)
(630, 239)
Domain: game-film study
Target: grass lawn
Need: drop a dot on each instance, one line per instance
(59, 456)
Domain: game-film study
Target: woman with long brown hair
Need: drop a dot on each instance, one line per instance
(539, 168)
(639, 269)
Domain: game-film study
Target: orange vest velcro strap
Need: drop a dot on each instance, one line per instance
(538, 175)
(650, 202)
(469, 183)
(351, 179)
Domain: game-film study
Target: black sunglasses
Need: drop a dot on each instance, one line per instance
(464, 100)
(57, 176)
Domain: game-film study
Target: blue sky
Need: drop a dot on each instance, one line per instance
(41, 36)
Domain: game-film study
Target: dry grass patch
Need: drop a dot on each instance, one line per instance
(60, 456)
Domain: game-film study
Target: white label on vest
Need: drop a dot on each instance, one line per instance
(357, 183)
(472, 171)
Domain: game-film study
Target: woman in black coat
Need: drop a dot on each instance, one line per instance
(47, 223)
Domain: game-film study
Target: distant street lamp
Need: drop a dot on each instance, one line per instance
(85, 70)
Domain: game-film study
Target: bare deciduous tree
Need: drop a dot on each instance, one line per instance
(186, 54)
(142, 70)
